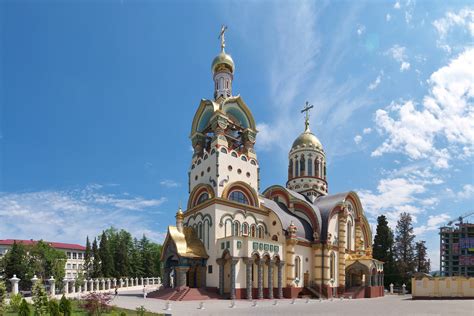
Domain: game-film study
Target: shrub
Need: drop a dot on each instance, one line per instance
(141, 310)
(3, 294)
(54, 308)
(24, 309)
(96, 303)
(65, 306)
(123, 314)
(40, 299)
(15, 302)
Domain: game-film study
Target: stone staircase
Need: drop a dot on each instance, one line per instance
(184, 294)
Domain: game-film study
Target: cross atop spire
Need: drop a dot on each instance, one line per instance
(306, 110)
(222, 36)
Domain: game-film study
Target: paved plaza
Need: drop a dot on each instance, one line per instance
(388, 305)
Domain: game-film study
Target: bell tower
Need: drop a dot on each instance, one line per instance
(223, 134)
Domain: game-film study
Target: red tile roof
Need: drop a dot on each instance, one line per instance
(57, 245)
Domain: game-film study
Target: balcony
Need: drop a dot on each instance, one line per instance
(242, 246)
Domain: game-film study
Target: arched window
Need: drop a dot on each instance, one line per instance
(298, 268)
(324, 171)
(290, 169)
(200, 231)
(238, 197)
(245, 229)
(253, 162)
(243, 158)
(349, 236)
(253, 231)
(260, 232)
(223, 150)
(316, 168)
(221, 83)
(310, 167)
(236, 228)
(332, 266)
(203, 197)
(275, 237)
(297, 168)
(302, 165)
(234, 154)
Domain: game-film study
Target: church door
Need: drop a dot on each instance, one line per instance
(306, 279)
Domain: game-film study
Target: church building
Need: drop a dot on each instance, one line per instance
(289, 240)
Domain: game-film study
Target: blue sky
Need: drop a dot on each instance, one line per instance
(97, 99)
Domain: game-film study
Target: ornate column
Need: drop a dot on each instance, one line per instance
(290, 254)
(181, 276)
(136, 281)
(233, 262)
(260, 279)
(270, 278)
(248, 279)
(65, 286)
(141, 282)
(52, 286)
(221, 263)
(121, 282)
(14, 281)
(280, 279)
(341, 271)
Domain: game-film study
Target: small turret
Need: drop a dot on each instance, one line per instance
(179, 220)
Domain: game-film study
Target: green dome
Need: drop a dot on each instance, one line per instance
(225, 59)
(307, 140)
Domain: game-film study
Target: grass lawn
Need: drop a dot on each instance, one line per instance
(78, 311)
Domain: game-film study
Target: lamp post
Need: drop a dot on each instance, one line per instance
(332, 287)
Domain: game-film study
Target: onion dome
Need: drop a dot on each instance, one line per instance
(223, 60)
(307, 140)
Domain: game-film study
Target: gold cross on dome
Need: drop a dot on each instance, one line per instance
(306, 110)
(222, 36)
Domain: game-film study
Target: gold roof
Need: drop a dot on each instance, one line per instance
(187, 243)
(307, 140)
(223, 59)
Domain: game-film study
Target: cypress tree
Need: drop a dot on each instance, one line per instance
(96, 269)
(106, 259)
(422, 263)
(404, 248)
(87, 258)
(383, 249)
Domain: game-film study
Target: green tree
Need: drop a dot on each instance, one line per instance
(404, 248)
(96, 269)
(87, 259)
(65, 306)
(422, 262)
(24, 309)
(3, 296)
(156, 253)
(121, 257)
(15, 261)
(136, 262)
(106, 259)
(383, 250)
(40, 299)
(44, 261)
(54, 308)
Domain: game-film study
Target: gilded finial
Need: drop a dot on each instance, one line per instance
(306, 110)
(179, 213)
(222, 37)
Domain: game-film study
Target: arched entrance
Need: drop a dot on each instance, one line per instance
(357, 274)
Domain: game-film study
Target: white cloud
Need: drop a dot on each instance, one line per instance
(433, 223)
(404, 66)
(396, 5)
(376, 82)
(466, 192)
(464, 18)
(446, 114)
(388, 17)
(70, 215)
(398, 53)
(170, 183)
(393, 196)
(360, 29)
(367, 130)
(357, 139)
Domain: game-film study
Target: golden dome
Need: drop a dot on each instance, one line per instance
(307, 140)
(222, 59)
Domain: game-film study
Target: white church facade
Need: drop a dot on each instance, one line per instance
(244, 243)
